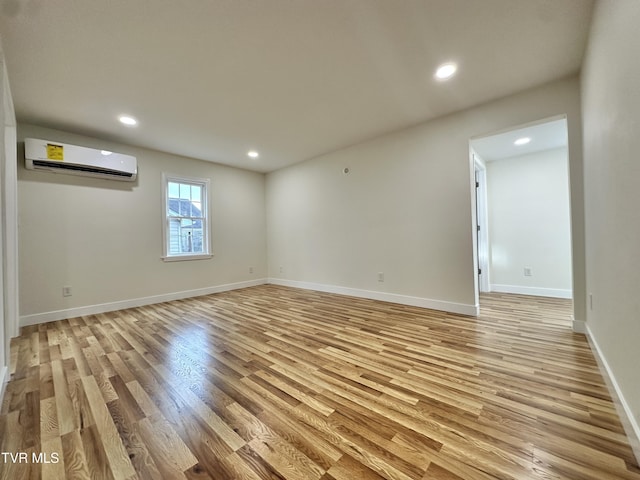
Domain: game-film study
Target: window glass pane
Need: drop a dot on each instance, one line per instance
(198, 244)
(185, 191)
(196, 209)
(174, 236)
(190, 236)
(173, 207)
(173, 190)
(196, 193)
(184, 208)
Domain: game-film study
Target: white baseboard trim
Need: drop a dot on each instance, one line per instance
(631, 427)
(535, 291)
(579, 326)
(131, 303)
(459, 308)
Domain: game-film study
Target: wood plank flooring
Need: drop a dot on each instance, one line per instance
(277, 383)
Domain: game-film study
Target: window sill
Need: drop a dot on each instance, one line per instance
(182, 258)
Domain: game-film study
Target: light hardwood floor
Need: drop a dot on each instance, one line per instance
(277, 383)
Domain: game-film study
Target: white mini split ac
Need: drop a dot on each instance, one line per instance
(62, 158)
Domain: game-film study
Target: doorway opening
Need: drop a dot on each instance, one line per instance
(521, 206)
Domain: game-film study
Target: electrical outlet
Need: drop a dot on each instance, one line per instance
(281, 269)
(591, 301)
(66, 291)
(250, 269)
(528, 272)
(381, 276)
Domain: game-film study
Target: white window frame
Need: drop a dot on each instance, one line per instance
(206, 231)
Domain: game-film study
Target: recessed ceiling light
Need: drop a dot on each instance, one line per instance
(446, 71)
(127, 120)
(253, 154)
(105, 152)
(522, 141)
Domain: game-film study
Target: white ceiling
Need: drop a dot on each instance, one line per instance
(291, 78)
(544, 136)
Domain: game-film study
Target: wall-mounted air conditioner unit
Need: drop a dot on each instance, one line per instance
(62, 158)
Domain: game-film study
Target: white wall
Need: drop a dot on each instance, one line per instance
(611, 116)
(104, 238)
(405, 208)
(530, 224)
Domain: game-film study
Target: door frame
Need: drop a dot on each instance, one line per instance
(482, 224)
